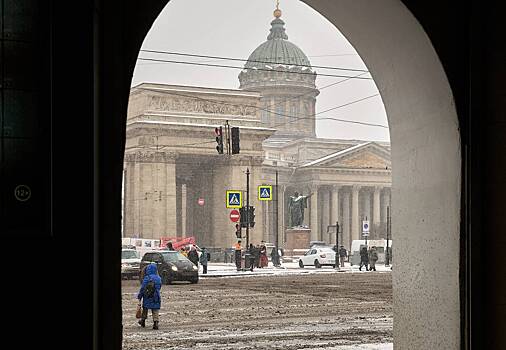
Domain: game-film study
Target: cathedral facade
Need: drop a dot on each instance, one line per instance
(175, 181)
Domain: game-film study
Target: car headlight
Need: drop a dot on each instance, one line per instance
(195, 267)
(174, 268)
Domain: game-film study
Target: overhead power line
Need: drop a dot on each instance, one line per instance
(280, 114)
(331, 109)
(256, 107)
(247, 60)
(256, 69)
(307, 93)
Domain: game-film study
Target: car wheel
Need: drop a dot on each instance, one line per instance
(194, 280)
(166, 278)
(317, 264)
(301, 264)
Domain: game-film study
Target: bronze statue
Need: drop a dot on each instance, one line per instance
(296, 207)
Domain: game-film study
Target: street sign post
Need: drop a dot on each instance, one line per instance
(234, 215)
(234, 199)
(365, 229)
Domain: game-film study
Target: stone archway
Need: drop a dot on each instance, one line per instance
(426, 165)
(426, 171)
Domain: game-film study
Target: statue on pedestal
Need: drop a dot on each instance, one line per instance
(296, 207)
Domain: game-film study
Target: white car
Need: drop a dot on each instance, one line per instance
(130, 263)
(318, 257)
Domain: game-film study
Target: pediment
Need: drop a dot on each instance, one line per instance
(364, 156)
(366, 159)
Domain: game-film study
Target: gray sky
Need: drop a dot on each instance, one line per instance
(234, 28)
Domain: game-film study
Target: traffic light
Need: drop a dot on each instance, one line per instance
(247, 214)
(251, 216)
(219, 139)
(235, 140)
(244, 218)
(238, 230)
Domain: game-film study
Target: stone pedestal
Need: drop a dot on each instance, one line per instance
(297, 238)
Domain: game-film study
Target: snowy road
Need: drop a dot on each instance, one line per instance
(287, 308)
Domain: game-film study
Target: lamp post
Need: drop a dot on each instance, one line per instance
(337, 245)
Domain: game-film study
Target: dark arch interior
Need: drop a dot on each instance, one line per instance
(77, 59)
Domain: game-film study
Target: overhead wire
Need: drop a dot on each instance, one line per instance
(276, 113)
(252, 61)
(346, 78)
(255, 69)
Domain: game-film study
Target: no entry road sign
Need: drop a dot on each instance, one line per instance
(201, 201)
(235, 215)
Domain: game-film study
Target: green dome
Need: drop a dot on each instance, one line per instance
(277, 50)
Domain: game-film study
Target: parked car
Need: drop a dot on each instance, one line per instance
(130, 263)
(318, 257)
(172, 266)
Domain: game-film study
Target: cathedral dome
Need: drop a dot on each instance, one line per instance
(277, 50)
(268, 63)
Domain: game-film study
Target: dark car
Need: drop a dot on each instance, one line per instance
(172, 266)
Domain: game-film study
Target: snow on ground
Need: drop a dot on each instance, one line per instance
(230, 270)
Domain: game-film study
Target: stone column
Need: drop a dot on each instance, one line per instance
(376, 219)
(325, 215)
(170, 199)
(129, 201)
(314, 213)
(346, 220)
(146, 203)
(376, 206)
(184, 209)
(383, 207)
(266, 218)
(354, 213)
(281, 214)
(156, 197)
(179, 210)
(190, 203)
(334, 210)
(137, 197)
(367, 206)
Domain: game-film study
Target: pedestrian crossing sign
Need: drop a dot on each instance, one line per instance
(264, 193)
(234, 199)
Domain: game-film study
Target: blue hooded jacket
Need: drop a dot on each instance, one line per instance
(153, 302)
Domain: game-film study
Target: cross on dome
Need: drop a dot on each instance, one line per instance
(277, 11)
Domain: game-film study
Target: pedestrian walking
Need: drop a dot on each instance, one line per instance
(193, 256)
(169, 246)
(264, 262)
(238, 253)
(149, 293)
(275, 257)
(204, 258)
(373, 257)
(256, 251)
(251, 256)
(343, 254)
(364, 259)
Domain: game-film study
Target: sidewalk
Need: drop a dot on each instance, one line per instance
(229, 270)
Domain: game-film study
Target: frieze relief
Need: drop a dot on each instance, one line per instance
(159, 103)
(150, 157)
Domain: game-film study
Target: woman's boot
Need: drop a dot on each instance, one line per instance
(155, 324)
(142, 322)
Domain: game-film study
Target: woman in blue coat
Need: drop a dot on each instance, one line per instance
(150, 295)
